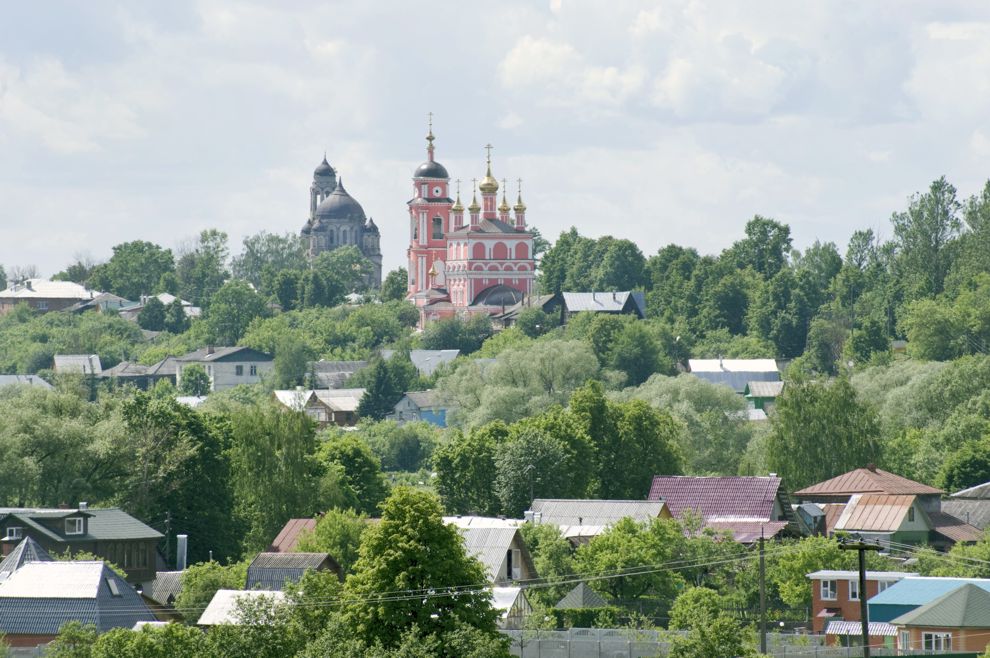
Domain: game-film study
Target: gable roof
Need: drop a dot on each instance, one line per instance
(718, 497)
(581, 596)
(294, 399)
(85, 364)
(426, 399)
(104, 523)
(340, 399)
(28, 550)
(975, 511)
(333, 374)
(919, 590)
(222, 608)
(764, 389)
(214, 354)
(595, 512)
(165, 588)
(874, 513)
(45, 289)
(979, 492)
(867, 480)
(605, 302)
(40, 597)
(953, 528)
(288, 536)
(24, 380)
(270, 571)
(735, 373)
(967, 606)
(490, 544)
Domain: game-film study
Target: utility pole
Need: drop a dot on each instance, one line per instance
(864, 611)
(763, 597)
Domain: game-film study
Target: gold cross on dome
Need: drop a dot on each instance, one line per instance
(430, 115)
(489, 147)
(458, 181)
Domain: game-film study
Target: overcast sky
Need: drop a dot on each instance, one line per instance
(659, 122)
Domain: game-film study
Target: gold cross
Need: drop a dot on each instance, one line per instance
(458, 181)
(430, 114)
(489, 147)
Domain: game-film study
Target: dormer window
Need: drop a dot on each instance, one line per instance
(74, 526)
(14, 532)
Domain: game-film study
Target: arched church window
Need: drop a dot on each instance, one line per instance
(437, 228)
(415, 229)
(330, 237)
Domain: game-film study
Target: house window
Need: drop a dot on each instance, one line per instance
(239, 371)
(905, 642)
(14, 532)
(254, 371)
(513, 560)
(42, 306)
(854, 590)
(73, 526)
(828, 590)
(882, 585)
(910, 515)
(936, 641)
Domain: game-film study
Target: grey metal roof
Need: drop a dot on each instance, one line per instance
(40, 597)
(426, 361)
(489, 545)
(270, 571)
(27, 551)
(223, 609)
(581, 596)
(980, 491)
(735, 373)
(974, 511)
(334, 374)
(165, 588)
(84, 364)
(595, 512)
(426, 399)
(24, 380)
(245, 354)
(339, 205)
(760, 389)
(605, 302)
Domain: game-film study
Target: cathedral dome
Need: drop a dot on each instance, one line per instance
(324, 170)
(340, 205)
(498, 295)
(431, 169)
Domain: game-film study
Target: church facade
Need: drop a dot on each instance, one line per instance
(460, 266)
(336, 219)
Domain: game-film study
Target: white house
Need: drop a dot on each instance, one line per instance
(227, 367)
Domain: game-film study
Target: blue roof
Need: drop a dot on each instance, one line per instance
(919, 590)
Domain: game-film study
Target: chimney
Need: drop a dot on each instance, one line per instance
(528, 515)
(27, 284)
(83, 506)
(613, 296)
(181, 547)
(872, 468)
(209, 349)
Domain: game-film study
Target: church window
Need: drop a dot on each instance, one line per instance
(423, 191)
(330, 237)
(415, 230)
(437, 228)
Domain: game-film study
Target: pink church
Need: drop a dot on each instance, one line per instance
(458, 268)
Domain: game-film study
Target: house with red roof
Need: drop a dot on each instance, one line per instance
(747, 506)
(887, 508)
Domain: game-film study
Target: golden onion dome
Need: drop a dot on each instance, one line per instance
(457, 207)
(520, 206)
(504, 206)
(474, 207)
(488, 184)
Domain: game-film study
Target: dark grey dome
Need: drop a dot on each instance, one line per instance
(500, 295)
(371, 227)
(431, 169)
(324, 170)
(340, 205)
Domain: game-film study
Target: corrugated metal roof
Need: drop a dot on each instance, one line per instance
(864, 480)
(211, 354)
(294, 399)
(84, 364)
(45, 289)
(919, 590)
(747, 532)
(734, 365)
(595, 512)
(288, 537)
(967, 606)
(764, 389)
(980, 491)
(24, 380)
(340, 399)
(581, 597)
(975, 511)
(426, 399)
(54, 580)
(874, 512)
(289, 560)
(28, 550)
(954, 528)
(886, 576)
(222, 608)
(604, 302)
(165, 588)
(490, 544)
(481, 522)
(717, 496)
(877, 628)
(272, 570)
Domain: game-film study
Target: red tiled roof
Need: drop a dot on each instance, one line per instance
(288, 537)
(864, 480)
(743, 497)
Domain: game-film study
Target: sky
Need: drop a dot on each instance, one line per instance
(664, 122)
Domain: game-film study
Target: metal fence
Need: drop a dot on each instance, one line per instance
(628, 643)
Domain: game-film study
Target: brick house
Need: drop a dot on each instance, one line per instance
(835, 597)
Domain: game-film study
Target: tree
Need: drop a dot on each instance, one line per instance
(553, 559)
(362, 470)
(867, 341)
(337, 532)
(395, 285)
(535, 322)
(820, 430)
(201, 581)
(274, 469)
(412, 549)
(151, 642)
(292, 357)
(345, 268)
(152, 316)
(623, 267)
(934, 330)
(176, 321)
(401, 447)
(925, 234)
(967, 466)
(381, 393)
(263, 250)
(765, 247)
(3, 278)
(200, 271)
(231, 310)
(134, 269)
(194, 380)
(75, 640)
(465, 468)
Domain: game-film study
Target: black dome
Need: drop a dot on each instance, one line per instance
(500, 295)
(323, 170)
(340, 205)
(431, 169)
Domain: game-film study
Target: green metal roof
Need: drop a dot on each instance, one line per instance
(967, 606)
(581, 596)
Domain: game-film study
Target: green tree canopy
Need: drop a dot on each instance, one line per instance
(134, 269)
(233, 307)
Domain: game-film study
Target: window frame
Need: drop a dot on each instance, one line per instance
(239, 370)
(14, 532)
(79, 524)
(253, 371)
(831, 586)
(936, 641)
(853, 585)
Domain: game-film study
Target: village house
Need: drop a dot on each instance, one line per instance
(749, 507)
(224, 607)
(140, 376)
(426, 406)
(131, 310)
(24, 380)
(426, 361)
(42, 295)
(762, 395)
(582, 520)
(887, 508)
(564, 305)
(271, 571)
(332, 374)
(959, 620)
(499, 547)
(737, 374)
(227, 367)
(836, 600)
(78, 364)
(109, 533)
(325, 406)
(971, 505)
